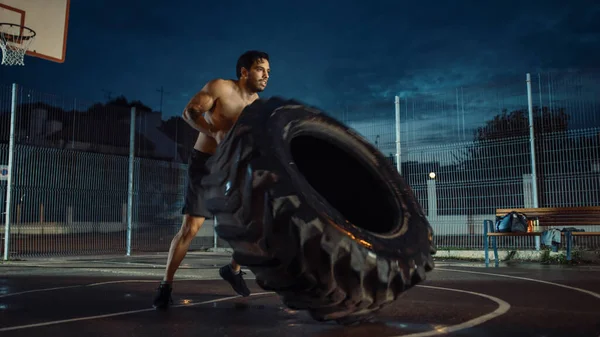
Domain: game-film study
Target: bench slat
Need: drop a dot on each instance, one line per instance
(515, 234)
(540, 233)
(595, 216)
(558, 216)
(540, 211)
(566, 222)
(553, 209)
(589, 211)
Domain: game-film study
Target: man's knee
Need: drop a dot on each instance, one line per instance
(191, 225)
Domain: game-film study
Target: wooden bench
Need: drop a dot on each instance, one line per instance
(542, 218)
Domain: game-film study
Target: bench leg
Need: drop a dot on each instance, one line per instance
(569, 238)
(486, 244)
(495, 245)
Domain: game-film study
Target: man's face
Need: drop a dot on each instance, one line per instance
(258, 76)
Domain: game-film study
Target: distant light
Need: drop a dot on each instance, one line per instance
(432, 175)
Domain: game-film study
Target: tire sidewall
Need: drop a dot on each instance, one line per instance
(288, 121)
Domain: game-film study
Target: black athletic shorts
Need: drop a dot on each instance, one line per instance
(194, 196)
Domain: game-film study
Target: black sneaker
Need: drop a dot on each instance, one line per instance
(236, 280)
(163, 296)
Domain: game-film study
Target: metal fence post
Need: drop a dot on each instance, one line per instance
(9, 180)
(130, 179)
(397, 104)
(534, 189)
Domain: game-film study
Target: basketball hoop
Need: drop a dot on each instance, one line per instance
(14, 41)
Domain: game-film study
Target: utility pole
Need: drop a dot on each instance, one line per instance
(162, 92)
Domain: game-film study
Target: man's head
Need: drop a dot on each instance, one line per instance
(253, 69)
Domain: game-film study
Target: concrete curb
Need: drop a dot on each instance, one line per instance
(224, 254)
(516, 255)
(525, 255)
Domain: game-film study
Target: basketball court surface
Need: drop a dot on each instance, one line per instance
(113, 296)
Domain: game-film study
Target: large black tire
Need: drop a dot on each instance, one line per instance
(318, 214)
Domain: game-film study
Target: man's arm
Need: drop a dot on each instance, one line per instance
(201, 103)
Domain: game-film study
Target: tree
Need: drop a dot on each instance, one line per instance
(501, 148)
(501, 155)
(516, 124)
(490, 172)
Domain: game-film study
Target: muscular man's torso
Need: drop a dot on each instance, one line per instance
(225, 112)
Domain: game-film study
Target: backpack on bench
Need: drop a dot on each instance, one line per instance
(512, 222)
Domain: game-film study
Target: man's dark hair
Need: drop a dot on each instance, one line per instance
(247, 59)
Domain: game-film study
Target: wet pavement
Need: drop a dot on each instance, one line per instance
(112, 297)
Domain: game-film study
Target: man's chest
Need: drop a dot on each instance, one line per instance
(230, 108)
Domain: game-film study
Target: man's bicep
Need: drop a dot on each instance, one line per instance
(201, 103)
(208, 94)
(204, 100)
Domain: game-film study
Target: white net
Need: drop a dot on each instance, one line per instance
(14, 41)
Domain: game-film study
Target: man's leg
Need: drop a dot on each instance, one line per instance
(179, 247)
(193, 204)
(236, 267)
(181, 243)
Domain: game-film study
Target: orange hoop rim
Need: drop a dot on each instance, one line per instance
(21, 37)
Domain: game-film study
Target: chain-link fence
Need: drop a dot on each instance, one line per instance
(70, 176)
(83, 183)
(477, 142)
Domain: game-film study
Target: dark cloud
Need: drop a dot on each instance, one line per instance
(461, 44)
(349, 59)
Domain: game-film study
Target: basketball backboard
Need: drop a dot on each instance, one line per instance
(47, 18)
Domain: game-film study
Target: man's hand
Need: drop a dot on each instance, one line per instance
(199, 120)
(196, 116)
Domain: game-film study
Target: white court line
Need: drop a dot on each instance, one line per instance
(596, 295)
(39, 290)
(53, 264)
(130, 263)
(20, 327)
(104, 283)
(503, 308)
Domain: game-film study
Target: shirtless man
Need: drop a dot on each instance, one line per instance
(212, 112)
